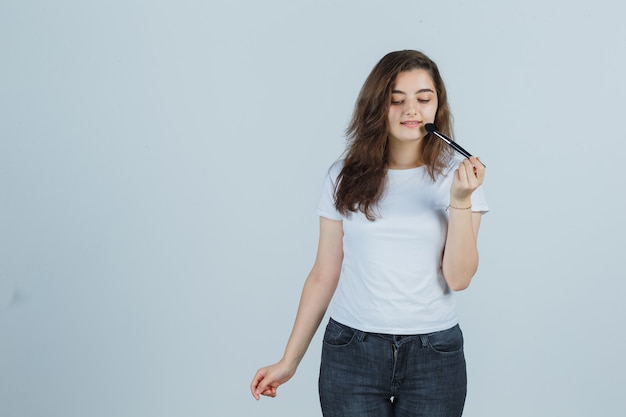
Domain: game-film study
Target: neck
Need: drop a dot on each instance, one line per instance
(404, 155)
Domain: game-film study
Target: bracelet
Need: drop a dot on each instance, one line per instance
(459, 208)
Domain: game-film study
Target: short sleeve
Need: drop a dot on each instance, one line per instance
(326, 204)
(479, 201)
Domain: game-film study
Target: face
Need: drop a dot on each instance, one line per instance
(413, 104)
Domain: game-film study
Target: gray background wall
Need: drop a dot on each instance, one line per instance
(160, 162)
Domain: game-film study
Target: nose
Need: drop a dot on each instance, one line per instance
(410, 107)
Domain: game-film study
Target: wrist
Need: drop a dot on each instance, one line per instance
(459, 208)
(460, 202)
(291, 362)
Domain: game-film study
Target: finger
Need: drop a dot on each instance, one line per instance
(467, 176)
(262, 389)
(462, 172)
(267, 386)
(481, 169)
(476, 161)
(270, 392)
(475, 171)
(255, 393)
(256, 387)
(478, 168)
(470, 170)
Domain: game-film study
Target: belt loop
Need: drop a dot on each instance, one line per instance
(424, 339)
(360, 335)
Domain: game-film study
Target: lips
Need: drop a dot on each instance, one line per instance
(410, 123)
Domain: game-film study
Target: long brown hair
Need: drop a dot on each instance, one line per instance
(361, 182)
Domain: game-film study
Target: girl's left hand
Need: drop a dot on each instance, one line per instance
(467, 177)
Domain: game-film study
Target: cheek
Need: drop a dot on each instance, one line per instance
(396, 112)
(432, 112)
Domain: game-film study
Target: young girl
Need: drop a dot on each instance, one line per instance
(399, 219)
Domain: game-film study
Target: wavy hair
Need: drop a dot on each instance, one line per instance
(361, 182)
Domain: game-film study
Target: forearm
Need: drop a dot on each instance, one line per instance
(460, 257)
(316, 296)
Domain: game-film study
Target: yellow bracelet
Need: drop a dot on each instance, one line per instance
(460, 208)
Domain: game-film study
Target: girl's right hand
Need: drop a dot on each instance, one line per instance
(268, 379)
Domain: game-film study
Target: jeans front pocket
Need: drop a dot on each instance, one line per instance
(338, 335)
(447, 341)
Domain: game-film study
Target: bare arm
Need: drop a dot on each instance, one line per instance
(318, 290)
(460, 257)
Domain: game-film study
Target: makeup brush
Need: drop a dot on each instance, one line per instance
(431, 128)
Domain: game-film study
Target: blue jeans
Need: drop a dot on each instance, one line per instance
(382, 375)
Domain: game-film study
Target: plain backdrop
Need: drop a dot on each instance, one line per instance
(160, 163)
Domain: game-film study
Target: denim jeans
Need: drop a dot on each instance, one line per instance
(380, 375)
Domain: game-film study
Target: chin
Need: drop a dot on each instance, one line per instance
(407, 139)
(414, 139)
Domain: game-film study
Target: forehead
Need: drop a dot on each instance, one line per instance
(413, 81)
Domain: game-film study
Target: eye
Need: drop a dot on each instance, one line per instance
(397, 98)
(423, 100)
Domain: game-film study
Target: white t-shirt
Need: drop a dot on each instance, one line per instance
(391, 279)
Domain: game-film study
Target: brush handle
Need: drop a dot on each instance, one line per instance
(454, 145)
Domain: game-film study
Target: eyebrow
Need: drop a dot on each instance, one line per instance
(423, 90)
